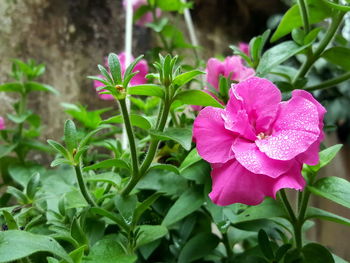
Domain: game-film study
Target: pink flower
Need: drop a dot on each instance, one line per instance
(138, 79)
(244, 47)
(2, 123)
(258, 144)
(147, 17)
(232, 67)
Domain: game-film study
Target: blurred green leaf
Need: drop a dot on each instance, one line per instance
(316, 253)
(36, 86)
(339, 56)
(136, 120)
(276, 55)
(12, 87)
(198, 246)
(26, 244)
(326, 156)
(197, 97)
(118, 163)
(292, 18)
(182, 136)
(187, 203)
(313, 212)
(150, 233)
(108, 250)
(186, 77)
(333, 188)
(146, 90)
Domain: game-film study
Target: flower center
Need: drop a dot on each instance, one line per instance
(262, 136)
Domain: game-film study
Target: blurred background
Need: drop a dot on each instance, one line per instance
(71, 37)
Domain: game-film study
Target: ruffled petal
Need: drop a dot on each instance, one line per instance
(259, 98)
(295, 130)
(232, 183)
(213, 140)
(311, 156)
(249, 156)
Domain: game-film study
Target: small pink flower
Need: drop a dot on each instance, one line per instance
(244, 47)
(232, 67)
(258, 144)
(2, 123)
(147, 17)
(138, 79)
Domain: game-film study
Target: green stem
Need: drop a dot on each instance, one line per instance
(287, 206)
(21, 110)
(228, 248)
(330, 83)
(312, 58)
(304, 15)
(82, 186)
(163, 115)
(161, 36)
(131, 137)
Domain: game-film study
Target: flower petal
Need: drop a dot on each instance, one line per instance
(249, 155)
(214, 69)
(234, 66)
(232, 183)
(213, 140)
(259, 98)
(295, 130)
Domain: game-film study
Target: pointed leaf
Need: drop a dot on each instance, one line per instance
(70, 135)
(197, 97)
(180, 135)
(146, 90)
(115, 68)
(119, 163)
(184, 78)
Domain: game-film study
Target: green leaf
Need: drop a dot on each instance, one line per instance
(128, 71)
(12, 87)
(19, 118)
(172, 5)
(19, 195)
(109, 177)
(16, 244)
(74, 199)
(292, 18)
(108, 250)
(115, 68)
(313, 212)
(36, 86)
(276, 55)
(150, 233)
(167, 167)
(182, 136)
(344, 8)
(22, 173)
(126, 206)
(10, 221)
(136, 120)
(187, 203)
(112, 216)
(183, 78)
(326, 156)
(143, 206)
(197, 172)
(198, 247)
(333, 188)
(146, 90)
(70, 135)
(339, 56)
(265, 245)
(190, 159)
(159, 26)
(60, 161)
(5, 150)
(59, 148)
(197, 97)
(268, 209)
(105, 73)
(77, 232)
(77, 254)
(33, 185)
(118, 163)
(316, 253)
